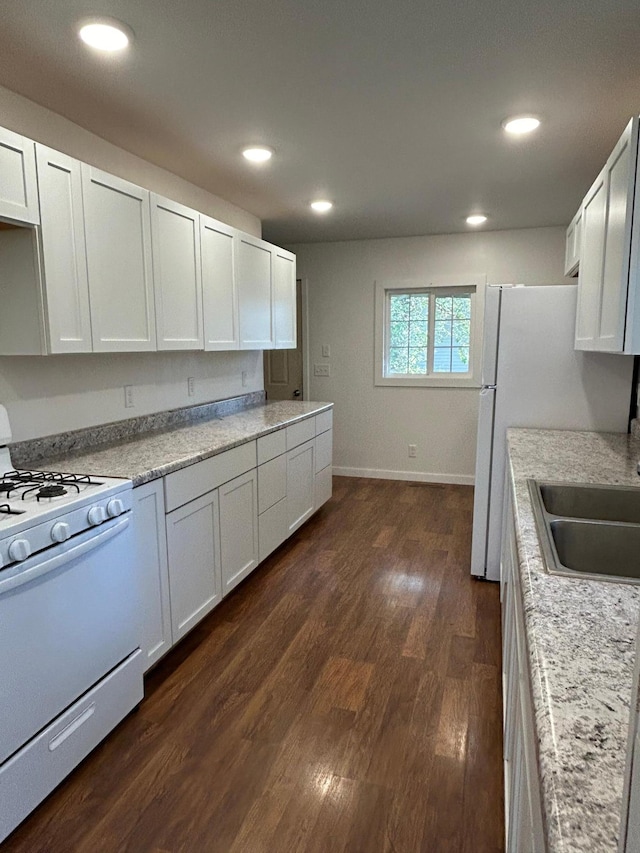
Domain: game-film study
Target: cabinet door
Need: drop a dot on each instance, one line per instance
(238, 529)
(64, 253)
(253, 278)
(220, 298)
(284, 299)
(301, 470)
(572, 245)
(175, 241)
(195, 582)
(18, 186)
(594, 219)
(150, 561)
(620, 183)
(118, 233)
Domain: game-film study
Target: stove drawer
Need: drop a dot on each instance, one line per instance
(35, 770)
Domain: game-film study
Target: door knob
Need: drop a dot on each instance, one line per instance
(296, 393)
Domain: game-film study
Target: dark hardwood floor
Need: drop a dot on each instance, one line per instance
(344, 699)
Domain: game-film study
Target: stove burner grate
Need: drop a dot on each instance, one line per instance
(6, 509)
(43, 484)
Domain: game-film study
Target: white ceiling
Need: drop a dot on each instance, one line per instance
(391, 109)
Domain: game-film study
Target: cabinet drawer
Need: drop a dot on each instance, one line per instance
(272, 528)
(300, 432)
(324, 421)
(324, 450)
(323, 486)
(272, 482)
(195, 480)
(272, 445)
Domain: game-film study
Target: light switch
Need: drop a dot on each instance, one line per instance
(326, 351)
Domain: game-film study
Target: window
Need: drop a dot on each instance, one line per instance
(428, 334)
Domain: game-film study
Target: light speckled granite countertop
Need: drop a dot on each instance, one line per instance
(581, 636)
(150, 455)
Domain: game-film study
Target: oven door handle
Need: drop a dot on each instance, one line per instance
(29, 574)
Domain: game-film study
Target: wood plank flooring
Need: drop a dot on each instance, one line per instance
(344, 699)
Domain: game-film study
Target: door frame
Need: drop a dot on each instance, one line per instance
(304, 325)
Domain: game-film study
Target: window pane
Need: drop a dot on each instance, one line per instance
(442, 332)
(398, 360)
(418, 334)
(444, 307)
(462, 307)
(418, 360)
(399, 334)
(442, 360)
(399, 307)
(460, 360)
(462, 332)
(420, 307)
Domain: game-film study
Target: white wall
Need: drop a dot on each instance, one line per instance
(51, 394)
(373, 426)
(45, 395)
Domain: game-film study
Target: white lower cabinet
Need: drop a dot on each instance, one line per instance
(195, 578)
(150, 554)
(238, 529)
(524, 830)
(225, 515)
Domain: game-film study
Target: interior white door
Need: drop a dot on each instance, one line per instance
(254, 281)
(18, 185)
(238, 529)
(118, 233)
(175, 240)
(64, 252)
(220, 298)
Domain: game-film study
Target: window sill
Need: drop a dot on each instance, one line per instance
(427, 382)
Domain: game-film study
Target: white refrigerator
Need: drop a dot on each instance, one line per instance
(533, 377)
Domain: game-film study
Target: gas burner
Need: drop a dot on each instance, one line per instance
(55, 490)
(5, 509)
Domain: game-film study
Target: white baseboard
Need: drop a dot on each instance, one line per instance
(415, 476)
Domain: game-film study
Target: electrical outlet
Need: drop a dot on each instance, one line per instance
(322, 370)
(191, 386)
(326, 351)
(128, 396)
(245, 378)
(412, 451)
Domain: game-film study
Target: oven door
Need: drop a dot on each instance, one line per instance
(67, 617)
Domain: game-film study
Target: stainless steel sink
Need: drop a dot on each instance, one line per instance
(598, 548)
(605, 503)
(589, 530)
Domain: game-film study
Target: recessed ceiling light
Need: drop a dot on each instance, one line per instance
(519, 125)
(105, 34)
(476, 219)
(258, 153)
(321, 206)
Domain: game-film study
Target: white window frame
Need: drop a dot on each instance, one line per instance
(475, 283)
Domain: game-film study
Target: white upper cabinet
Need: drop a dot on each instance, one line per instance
(175, 240)
(284, 299)
(220, 299)
(64, 254)
(573, 244)
(18, 186)
(118, 233)
(254, 283)
(608, 317)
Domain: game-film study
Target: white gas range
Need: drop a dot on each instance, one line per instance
(71, 667)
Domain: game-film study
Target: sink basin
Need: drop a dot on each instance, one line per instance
(605, 503)
(588, 530)
(598, 548)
